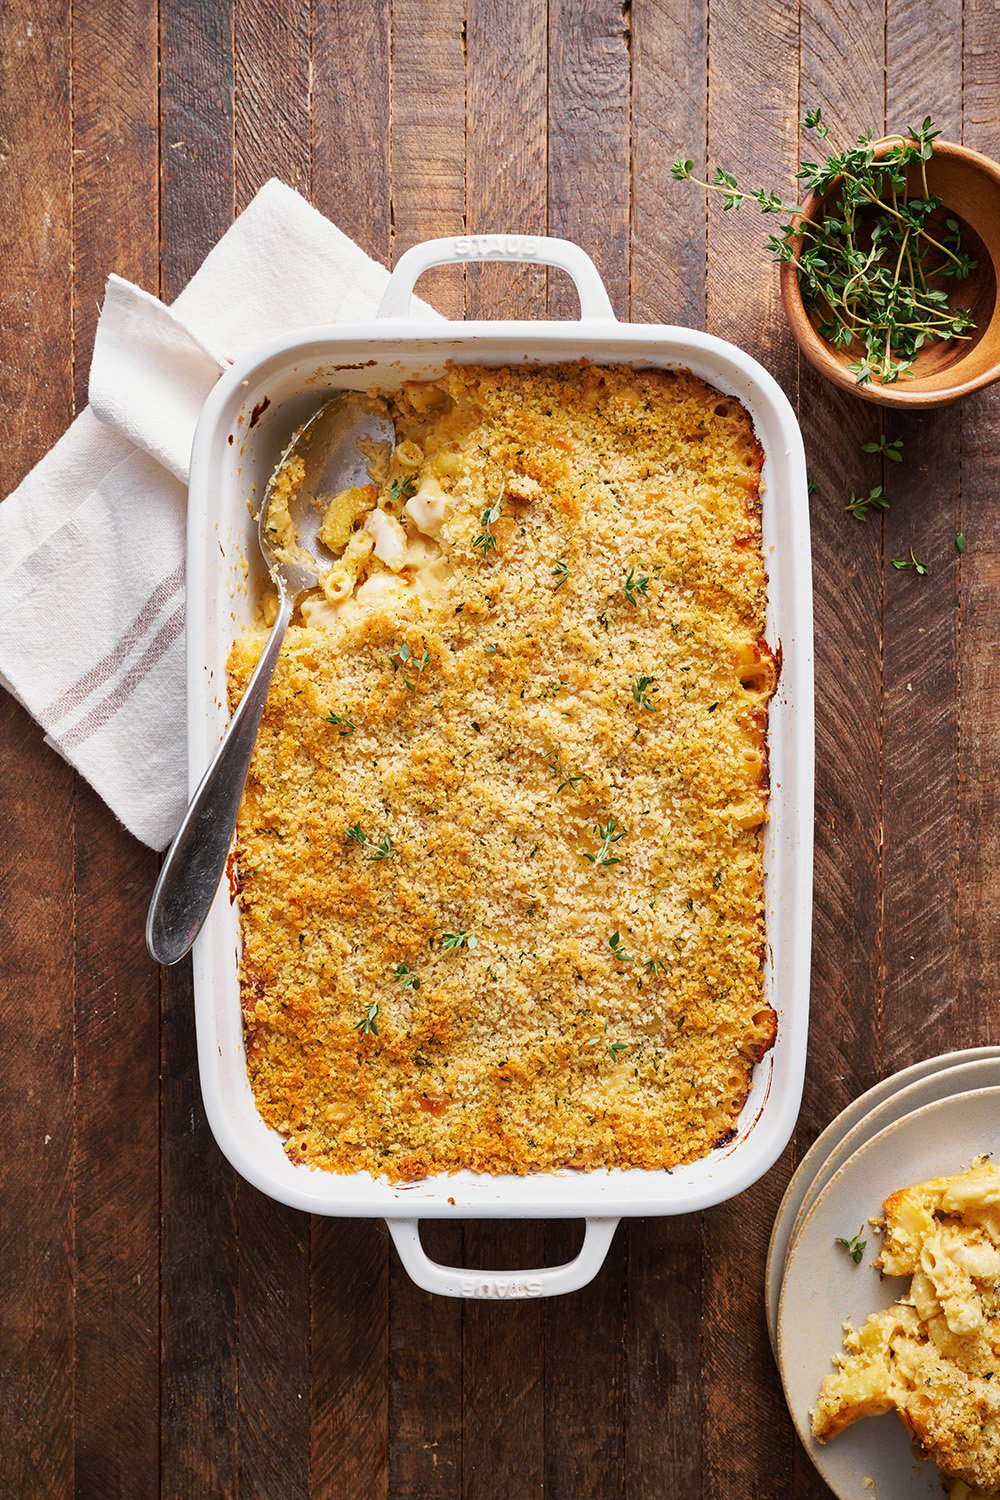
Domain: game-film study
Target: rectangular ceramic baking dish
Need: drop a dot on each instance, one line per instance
(245, 424)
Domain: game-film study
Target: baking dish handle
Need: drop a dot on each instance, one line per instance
(549, 1281)
(535, 249)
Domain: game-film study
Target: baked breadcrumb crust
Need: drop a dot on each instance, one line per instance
(499, 858)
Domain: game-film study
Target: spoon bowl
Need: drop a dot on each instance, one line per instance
(339, 448)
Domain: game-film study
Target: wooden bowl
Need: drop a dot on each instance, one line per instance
(969, 186)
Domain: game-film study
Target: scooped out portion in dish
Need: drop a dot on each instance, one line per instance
(499, 860)
(934, 1356)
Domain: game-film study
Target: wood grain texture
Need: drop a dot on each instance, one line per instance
(425, 1374)
(273, 104)
(350, 1358)
(115, 160)
(921, 665)
(37, 807)
(589, 149)
(585, 1363)
(428, 136)
(503, 1364)
(198, 1244)
(197, 173)
(36, 1084)
(664, 1441)
(117, 1179)
(274, 1322)
(351, 121)
(845, 1037)
(117, 995)
(977, 948)
(506, 99)
(669, 120)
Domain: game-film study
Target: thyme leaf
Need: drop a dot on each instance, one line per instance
(855, 1247)
(615, 944)
(641, 689)
(634, 586)
(609, 833)
(560, 572)
(345, 726)
(860, 505)
(875, 264)
(368, 1023)
(460, 939)
(912, 562)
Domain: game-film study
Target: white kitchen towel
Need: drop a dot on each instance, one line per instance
(92, 541)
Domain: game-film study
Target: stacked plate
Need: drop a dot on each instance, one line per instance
(931, 1120)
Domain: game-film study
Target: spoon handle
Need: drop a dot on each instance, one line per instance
(196, 859)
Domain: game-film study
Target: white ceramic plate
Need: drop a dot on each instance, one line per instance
(823, 1289)
(863, 1118)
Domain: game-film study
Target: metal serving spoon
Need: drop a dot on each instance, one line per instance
(337, 445)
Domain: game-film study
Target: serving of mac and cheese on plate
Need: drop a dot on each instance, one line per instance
(933, 1357)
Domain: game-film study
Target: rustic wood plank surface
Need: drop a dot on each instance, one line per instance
(166, 1330)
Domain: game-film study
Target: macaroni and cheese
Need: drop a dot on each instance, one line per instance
(934, 1356)
(499, 858)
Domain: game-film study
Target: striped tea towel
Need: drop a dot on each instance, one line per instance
(92, 541)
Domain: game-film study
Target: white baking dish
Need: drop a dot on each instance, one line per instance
(245, 424)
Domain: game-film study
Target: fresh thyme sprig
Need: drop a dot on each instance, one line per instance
(344, 726)
(402, 487)
(652, 964)
(609, 833)
(572, 782)
(617, 951)
(614, 1048)
(560, 572)
(460, 939)
(406, 661)
(860, 505)
(368, 1023)
(892, 450)
(641, 689)
(486, 542)
(402, 974)
(634, 586)
(358, 836)
(855, 1247)
(871, 262)
(912, 562)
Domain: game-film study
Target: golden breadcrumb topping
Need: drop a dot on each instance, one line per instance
(499, 858)
(934, 1356)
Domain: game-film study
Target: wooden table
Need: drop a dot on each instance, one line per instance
(164, 1329)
